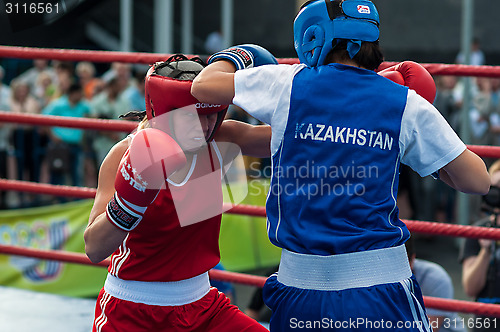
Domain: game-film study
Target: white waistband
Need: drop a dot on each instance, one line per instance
(172, 293)
(343, 271)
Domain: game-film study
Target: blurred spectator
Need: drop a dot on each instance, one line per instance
(479, 126)
(476, 55)
(495, 111)
(108, 104)
(123, 74)
(25, 137)
(458, 96)
(445, 100)
(65, 77)
(92, 86)
(479, 258)
(45, 89)
(64, 154)
(434, 281)
(214, 42)
(85, 71)
(4, 92)
(480, 113)
(135, 94)
(480, 123)
(63, 66)
(4, 136)
(31, 75)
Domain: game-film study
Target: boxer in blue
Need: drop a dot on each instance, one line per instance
(339, 134)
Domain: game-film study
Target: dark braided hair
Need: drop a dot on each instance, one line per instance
(133, 116)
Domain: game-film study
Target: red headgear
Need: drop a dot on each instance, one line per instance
(168, 87)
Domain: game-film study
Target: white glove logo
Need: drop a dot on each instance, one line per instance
(363, 9)
(132, 181)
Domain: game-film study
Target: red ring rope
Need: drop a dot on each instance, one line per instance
(47, 189)
(148, 58)
(80, 55)
(436, 69)
(66, 121)
(426, 227)
(485, 151)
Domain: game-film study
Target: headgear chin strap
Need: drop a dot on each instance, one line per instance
(320, 23)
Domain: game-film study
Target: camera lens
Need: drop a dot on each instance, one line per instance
(492, 198)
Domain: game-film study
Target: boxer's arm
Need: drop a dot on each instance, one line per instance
(467, 173)
(101, 237)
(215, 83)
(253, 140)
(151, 157)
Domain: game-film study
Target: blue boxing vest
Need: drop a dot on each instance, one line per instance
(336, 171)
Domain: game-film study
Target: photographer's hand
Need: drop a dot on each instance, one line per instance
(474, 270)
(486, 244)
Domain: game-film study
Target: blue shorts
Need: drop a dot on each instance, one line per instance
(318, 304)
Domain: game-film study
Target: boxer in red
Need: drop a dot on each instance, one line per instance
(160, 256)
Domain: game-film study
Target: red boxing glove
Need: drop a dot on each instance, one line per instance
(414, 76)
(151, 157)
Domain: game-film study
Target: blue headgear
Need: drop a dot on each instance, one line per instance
(320, 23)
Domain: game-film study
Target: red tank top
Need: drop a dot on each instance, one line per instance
(178, 237)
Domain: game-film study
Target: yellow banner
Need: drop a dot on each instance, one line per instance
(58, 227)
(244, 244)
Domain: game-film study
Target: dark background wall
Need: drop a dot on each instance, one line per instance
(419, 30)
